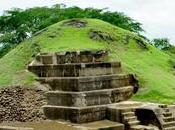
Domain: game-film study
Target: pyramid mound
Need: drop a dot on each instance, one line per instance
(151, 65)
(82, 84)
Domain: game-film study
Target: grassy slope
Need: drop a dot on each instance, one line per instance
(151, 66)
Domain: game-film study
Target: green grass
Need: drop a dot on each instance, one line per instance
(151, 65)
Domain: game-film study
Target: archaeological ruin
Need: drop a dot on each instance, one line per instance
(85, 88)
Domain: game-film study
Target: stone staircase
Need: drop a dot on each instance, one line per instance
(82, 84)
(125, 113)
(131, 122)
(166, 118)
(129, 118)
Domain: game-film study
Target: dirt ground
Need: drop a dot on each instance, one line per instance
(43, 125)
(21, 104)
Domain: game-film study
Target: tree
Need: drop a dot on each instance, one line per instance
(18, 24)
(162, 43)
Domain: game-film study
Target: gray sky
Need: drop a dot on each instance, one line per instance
(157, 16)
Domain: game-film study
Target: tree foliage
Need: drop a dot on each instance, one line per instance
(18, 24)
(162, 43)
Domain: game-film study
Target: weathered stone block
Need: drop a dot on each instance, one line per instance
(89, 98)
(89, 83)
(75, 70)
(71, 57)
(76, 114)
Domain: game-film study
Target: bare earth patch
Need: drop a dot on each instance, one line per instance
(101, 36)
(75, 23)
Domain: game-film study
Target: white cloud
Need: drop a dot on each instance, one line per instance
(155, 15)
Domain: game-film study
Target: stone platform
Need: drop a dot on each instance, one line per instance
(89, 98)
(76, 114)
(72, 57)
(88, 83)
(82, 84)
(75, 69)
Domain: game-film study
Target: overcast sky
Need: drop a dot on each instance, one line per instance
(157, 16)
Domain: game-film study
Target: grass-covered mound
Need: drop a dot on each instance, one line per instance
(152, 66)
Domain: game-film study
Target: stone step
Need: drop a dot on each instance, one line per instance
(170, 128)
(76, 114)
(141, 127)
(163, 106)
(168, 119)
(168, 124)
(128, 119)
(75, 69)
(167, 114)
(126, 110)
(133, 123)
(89, 83)
(166, 109)
(89, 98)
(72, 57)
(128, 114)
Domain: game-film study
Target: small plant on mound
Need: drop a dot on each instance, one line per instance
(126, 39)
(53, 34)
(35, 49)
(172, 63)
(75, 23)
(40, 32)
(141, 43)
(101, 36)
